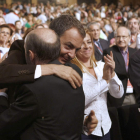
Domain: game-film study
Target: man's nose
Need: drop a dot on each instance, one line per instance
(121, 38)
(72, 54)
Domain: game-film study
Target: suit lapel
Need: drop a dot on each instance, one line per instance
(119, 61)
(131, 51)
(102, 45)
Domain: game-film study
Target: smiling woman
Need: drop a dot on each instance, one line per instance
(98, 78)
(5, 34)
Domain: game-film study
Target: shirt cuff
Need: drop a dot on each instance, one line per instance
(116, 79)
(37, 72)
(104, 86)
(4, 94)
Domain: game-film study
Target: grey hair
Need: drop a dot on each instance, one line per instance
(115, 32)
(92, 23)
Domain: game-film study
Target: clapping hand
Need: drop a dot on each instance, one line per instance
(108, 71)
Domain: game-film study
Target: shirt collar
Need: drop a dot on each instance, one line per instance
(96, 41)
(124, 52)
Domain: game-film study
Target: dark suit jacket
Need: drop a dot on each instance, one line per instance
(120, 71)
(134, 73)
(12, 70)
(48, 109)
(104, 45)
(129, 118)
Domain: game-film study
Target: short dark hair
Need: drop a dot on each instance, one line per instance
(43, 50)
(17, 21)
(6, 26)
(66, 22)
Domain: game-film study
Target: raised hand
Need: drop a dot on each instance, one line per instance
(109, 61)
(91, 122)
(106, 73)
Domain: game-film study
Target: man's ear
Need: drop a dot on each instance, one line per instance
(31, 55)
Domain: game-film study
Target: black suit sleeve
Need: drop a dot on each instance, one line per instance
(134, 72)
(3, 103)
(20, 114)
(13, 69)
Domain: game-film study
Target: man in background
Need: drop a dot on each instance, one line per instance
(99, 44)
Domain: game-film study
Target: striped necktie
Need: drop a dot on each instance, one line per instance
(100, 48)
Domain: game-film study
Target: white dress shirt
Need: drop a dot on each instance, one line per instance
(42, 17)
(11, 18)
(103, 35)
(96, 96)
(3, 51)
(138, 41)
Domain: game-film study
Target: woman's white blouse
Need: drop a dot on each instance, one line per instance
(96, 96)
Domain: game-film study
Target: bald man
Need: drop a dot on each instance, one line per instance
(49, 108)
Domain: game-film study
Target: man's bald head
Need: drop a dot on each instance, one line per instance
(45, 45)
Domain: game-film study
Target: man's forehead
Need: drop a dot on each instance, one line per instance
(133, 20)
(122, 31)
(95, 26)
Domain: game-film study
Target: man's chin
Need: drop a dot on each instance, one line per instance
(63, 60)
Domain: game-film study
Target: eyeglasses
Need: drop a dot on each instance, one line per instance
(135, 23)
(123, 37)
(5, 33)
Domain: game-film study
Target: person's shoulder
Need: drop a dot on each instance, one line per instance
(132, 49)
(103, 40)
(75, 67)
(108, 49)
(17, 45)
(135, 57)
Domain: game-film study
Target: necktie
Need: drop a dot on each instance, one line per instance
(100, 48)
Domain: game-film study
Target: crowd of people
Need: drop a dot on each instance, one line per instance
(64, 70)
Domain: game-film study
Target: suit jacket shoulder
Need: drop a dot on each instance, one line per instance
(17, 45)
(113, 49)
(131, 51)
(104, 43)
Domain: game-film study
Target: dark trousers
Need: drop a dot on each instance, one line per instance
(93, 137)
